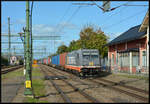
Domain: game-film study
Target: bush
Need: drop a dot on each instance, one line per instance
(4, 61)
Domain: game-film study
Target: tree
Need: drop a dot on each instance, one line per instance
(4, 61)
(93, 38)
(62, 49)
(74, 45)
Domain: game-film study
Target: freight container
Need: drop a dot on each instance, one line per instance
(55, 60)
(58, 58)
(62, 59)
(44, 60)
(48, 60)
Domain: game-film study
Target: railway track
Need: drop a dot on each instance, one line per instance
(76, 90)
(125, 91)
(6, 70)
(128, 90)
(3, 67)
(125, 86)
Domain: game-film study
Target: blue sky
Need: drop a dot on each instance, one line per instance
(66, 20)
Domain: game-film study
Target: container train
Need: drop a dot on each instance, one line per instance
(81, 62)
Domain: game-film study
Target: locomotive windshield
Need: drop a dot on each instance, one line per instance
(90, 59)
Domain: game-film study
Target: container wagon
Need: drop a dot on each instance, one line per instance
(49, 60)
(62, 61)
(44, 60)
(55, 60)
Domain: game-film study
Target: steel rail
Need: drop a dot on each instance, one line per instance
(71, 75)
(5, 67)
(64, 96)
(4, 71)
(122, 91)
(80, 91)
(125, 86)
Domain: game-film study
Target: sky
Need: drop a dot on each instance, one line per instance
(66, 20)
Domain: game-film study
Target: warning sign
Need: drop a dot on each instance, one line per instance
(28, 84)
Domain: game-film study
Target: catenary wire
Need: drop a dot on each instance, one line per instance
(112, 25)
(114, 14)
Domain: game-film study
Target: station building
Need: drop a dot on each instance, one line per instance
(129, 52)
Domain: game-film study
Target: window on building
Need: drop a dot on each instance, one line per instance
(135, 59)
(144, 58)
(124, 59)
(120, 59)
(117, 58)
(112, 60)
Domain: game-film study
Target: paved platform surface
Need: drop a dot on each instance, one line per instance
(10, 88)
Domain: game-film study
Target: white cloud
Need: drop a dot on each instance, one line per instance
(19, 21)
(43, 29)
(67, 25)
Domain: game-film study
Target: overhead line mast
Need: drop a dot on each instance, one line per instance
(28, 87)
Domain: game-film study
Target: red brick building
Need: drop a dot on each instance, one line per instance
(129, 52)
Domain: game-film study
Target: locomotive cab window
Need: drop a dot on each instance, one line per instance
(86, 57)
(94, 56)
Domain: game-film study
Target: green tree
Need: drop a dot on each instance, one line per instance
(62, 49)
(74, 45)
(4, 60)
(93, 38)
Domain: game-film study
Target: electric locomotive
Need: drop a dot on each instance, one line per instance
(83, 62)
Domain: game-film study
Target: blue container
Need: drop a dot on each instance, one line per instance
(55, 60)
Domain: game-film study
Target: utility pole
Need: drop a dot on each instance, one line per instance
(45, 51)
(14, 51)
(28, 90)
(9, 46)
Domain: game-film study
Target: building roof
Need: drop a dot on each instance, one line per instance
(132, 34)
(145, 22)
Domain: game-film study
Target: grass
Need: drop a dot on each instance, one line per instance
(38, 87)
(32, 100)
(38, 84)
(15, 73)
(37, 72)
